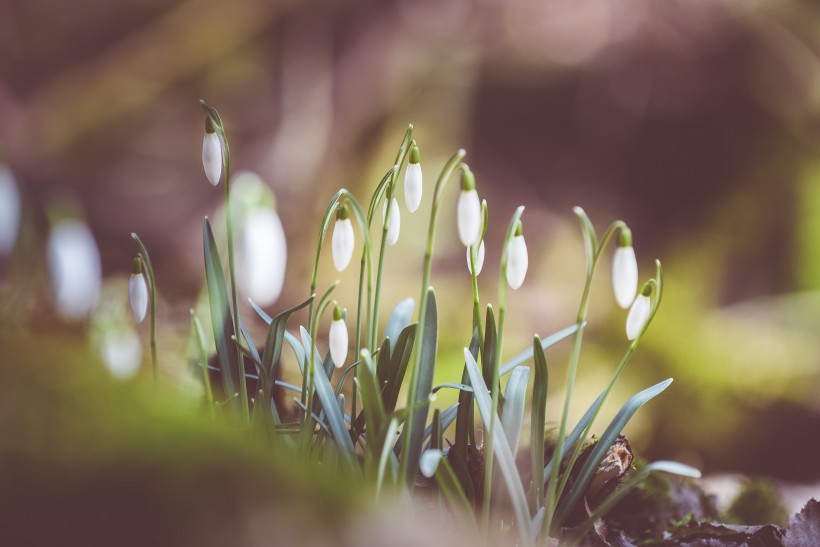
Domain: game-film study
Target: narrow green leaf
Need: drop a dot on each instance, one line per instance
(503, 453)
(398, 320)
(489, 358)
(399, 359)
(464, 424)
(527, 354)
(384, 457)
(537, 425)
(424, 383)
(448, 415)
(372, 406)
(575, 436)
(612, 431)
(514, 398)
(221, 318)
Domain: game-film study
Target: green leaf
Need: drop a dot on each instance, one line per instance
(527, 354)
(399, 358)
(537, 424)
(599, 451)
(504, 456)
(372, 407)
(386, 452)
(489, 358)
(464, 425)
(448, 415)
(424, 383)
(590, 237)
(575, 435)
(513, 414)
(398, 320)
(221, 318)
(276, 334)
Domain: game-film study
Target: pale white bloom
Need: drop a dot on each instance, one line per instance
(138, 296)
(342, 243)
(74, 265)
(638, 316)
(624, 275)
(9, 210)
(263, 255)
(394, 221)
(428, 463)
(412, 186)
(479, 259)
(338, 339)
(468, 215)
(212, 157)
(121, 351)
(517, 262)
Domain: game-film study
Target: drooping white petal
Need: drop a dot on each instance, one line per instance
(624, 275)
(74, 266)
(212, 158)
(138, 296)
(342, 243)
(394, 219)
(338, 342)
(479, 259)
(638, 316)
(517, 262)
(428, 463)
(412, 186)
(9, 210)
(263, 256)
(121, 351)
(468, 215)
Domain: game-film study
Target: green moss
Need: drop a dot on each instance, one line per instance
(758, 502)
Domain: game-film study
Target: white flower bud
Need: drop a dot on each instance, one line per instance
(394, 221)
(121, 351)
(469, 217)
(138, 296)
(517, 262)
(9, 210)
(638, 315)
(412, 186)
(74, 265)
(479, 259)
(263, 256)
(338, 339)
(343, 242)
(212, 157)
(428, 463)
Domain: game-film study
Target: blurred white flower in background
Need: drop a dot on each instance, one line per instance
(74, 266)
(9, 210)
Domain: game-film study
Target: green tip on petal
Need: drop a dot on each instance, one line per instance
(136, 266)
(342, 213)
(415, 157)
(337, 312)
(467, 179)
(209, 125)
(625, 238)
(519, 229)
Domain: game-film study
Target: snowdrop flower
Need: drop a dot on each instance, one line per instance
(479, 259)
(394, 221)
(468, 211)
(428, 463)
(624, 270)
(343, 238)
(138, 291)
(639, 313)
(413, 180)
(121, 351)
(517, 259)
(9, 210)
(263, 255)
(74, 265)
(338, 338)
(211, 153)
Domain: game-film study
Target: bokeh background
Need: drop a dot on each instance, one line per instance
(696, 122)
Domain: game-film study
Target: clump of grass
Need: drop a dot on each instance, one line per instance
(758, 502)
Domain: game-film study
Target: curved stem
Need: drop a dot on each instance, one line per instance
(152, 289)
(444, 176)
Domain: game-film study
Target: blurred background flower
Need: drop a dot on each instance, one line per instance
(695, 122)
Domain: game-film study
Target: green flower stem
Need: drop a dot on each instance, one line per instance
(496, 387)
(152, 290)
(199, 342)
(216, 120)
(441, 183)
(657, 284)
(594, 253)
(477, 323)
